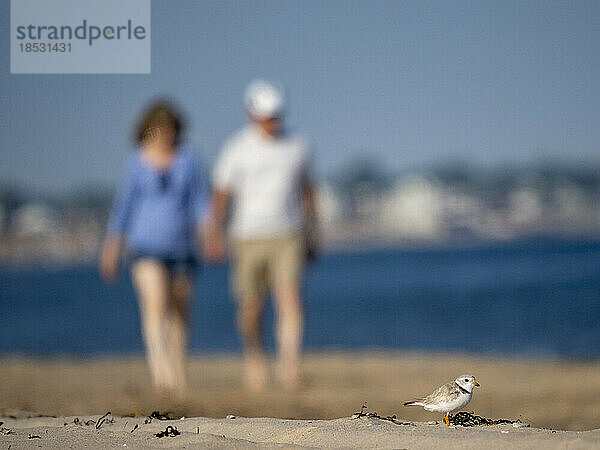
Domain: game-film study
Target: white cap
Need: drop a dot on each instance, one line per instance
(264, 99)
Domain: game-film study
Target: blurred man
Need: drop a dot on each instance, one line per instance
(262, 175)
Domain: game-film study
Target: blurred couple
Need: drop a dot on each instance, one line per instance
(261, 212)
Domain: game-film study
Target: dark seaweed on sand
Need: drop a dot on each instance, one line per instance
(169, 432)
(466, 419)
(157, 415)
(97, 423)
(462, 418)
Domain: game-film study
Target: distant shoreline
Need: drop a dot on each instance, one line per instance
(359, 245)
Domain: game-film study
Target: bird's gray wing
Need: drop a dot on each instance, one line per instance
(446, 393)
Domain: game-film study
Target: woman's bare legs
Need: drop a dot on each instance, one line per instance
(163, 300)
(151, 281)
(180, 290)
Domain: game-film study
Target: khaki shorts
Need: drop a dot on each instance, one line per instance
(275, 263)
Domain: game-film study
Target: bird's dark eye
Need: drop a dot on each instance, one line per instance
(466, 380)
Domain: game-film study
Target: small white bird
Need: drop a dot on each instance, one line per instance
(449, 397)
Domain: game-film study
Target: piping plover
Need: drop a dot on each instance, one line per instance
(449, 397)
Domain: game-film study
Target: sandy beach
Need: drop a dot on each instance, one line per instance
(127, 432)
(556, 395)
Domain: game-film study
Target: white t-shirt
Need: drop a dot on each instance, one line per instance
(265, 177)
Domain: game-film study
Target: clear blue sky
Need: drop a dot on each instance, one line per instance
(411, 83)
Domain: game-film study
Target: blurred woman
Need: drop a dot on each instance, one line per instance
(156, 215)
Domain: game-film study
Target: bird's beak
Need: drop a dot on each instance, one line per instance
(475, 383)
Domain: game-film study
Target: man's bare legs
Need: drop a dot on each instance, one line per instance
(249, 321)
(289, 330)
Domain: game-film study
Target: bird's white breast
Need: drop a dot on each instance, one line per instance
(448, 406)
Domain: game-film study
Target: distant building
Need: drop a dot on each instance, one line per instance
(525, 206)
(569, 202)
(412, 209)
(34, 219)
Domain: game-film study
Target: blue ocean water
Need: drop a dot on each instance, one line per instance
(537, 298)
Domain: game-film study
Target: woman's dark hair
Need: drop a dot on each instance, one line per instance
(160, 114)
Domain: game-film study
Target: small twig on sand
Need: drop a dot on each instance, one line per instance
(101, 420)
(531, 422)
(134, 428)
(374, 415)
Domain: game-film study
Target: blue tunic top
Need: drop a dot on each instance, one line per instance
(157, 212)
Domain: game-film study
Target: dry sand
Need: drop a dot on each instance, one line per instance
(267, 433)
(553, 394)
